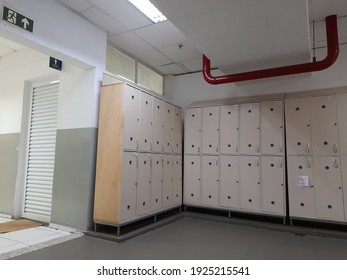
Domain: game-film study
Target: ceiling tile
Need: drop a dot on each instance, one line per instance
(162, 34)
(130, 43)
(124, 12)
(77, 5)
(193, 65)
(181, 52)
(172, 68)
(154, 58)
(104, 21)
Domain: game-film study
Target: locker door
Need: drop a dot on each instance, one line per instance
(131, 118)
(192, 180)
(229, 181)
(143, 195)
(168, 127)
(298, 126)
(273, 184)
(249, 128)
(272, 127)
(177, 130)
(250, 183)
(342, 121)
(301, 187)
(158, 126)
(177, 179)
(229, 129)
(328, 188)
(193, 127)
(324, 125)
(157, 182)
(210, 180)
(344, 182)
(167, 181)
(210, 130)
(146, 122)
(129, 186)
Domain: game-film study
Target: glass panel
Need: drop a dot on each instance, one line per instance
(120, 64)
(149, 79)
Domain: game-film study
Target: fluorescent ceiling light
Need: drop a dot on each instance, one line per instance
(149, 10)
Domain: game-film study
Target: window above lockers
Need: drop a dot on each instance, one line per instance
(119, 63)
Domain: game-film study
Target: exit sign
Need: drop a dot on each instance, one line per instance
(17, 19)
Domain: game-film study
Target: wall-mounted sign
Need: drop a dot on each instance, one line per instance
(17, 19)
(55, 63)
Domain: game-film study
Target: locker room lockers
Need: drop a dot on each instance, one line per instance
(210, 130)
(249, 128)
(193, 127)
(229, 129)
(210, 180)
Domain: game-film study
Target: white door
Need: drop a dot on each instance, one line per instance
(210, 180)
(192, 180)
(143, 194)
(298, 130)
(272, 128)
(168, 127)
(342, 122)
(146, 122)
(210, 130)
(157, 182)
(177, 149)
(229, 129)
(158, 126)
(177, 180)
(131, 118)
(192, 131)
(229, 181)
(249, 128)
(167, 181)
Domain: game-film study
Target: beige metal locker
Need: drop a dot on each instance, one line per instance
(342, 121)
(210, 180)
(177, 143)
(272, 128)
(129, 186)
(301, 187)
(158, 126)
(193, 127)
(177, 180)
(229, 129)
(131, 118)
(167, 181)
(156, 182)
(210, 130)
(249, 128)
(250, 183)
(324, 129)
(298, 132)
(192, 180)
(146, 122)
(168, 127)
(344, 182)
(328, 188)
(229, 181)
(143, 194)
(272, 181)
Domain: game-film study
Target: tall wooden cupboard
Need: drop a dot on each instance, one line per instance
(139, 155)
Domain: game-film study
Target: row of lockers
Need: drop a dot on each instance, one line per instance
(253, 128)
(151, 124)
(246, 183)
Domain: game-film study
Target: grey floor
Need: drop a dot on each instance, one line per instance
(199, 238)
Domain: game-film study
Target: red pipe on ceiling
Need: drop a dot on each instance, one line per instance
(333, 52)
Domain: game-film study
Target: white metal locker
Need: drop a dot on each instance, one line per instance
(324, 129)
(272, 182)
(298, 131)
(177, 149)
(156, 182)
(229, 129)
(131, 118)
(129, 186)
(344, 182)
(272, 128)
(210, 180)
(192, 180)
(193, 127)
(328, 188)
(250, 183)
(168, 127)
(210, 130)
(249, 128)
(301, 187)
(167, 181)
(146, 122)
(177, 180)
(342, 122)
(229, 181)
(158, 126)
(143, 194)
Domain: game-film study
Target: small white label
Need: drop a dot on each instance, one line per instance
(303, 181)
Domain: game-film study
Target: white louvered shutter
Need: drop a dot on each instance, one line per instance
(41, 152)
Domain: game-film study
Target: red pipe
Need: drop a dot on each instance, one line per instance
(333, 52)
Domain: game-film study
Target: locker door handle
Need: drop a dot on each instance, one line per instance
(335, 148)
(217, 162)
(150, 145)
(308, 162)
(150, 160)
(307, 148)
(336, 163)
(281, 148)
(198, 149)
(281, 163)
(137, 144)
(237, 149)
(257, 162)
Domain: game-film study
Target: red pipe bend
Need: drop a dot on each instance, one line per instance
(333, 53)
